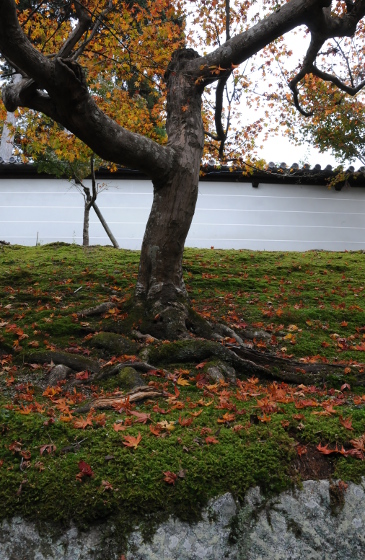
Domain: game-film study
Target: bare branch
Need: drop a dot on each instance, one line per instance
(315, 44)
(228, 31)
(212, 136)
(95, 28)
(337, 82)
(83, 25)
(241, 47)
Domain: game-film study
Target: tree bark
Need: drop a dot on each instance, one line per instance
(160, 277)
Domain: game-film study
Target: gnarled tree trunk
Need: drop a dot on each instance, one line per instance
(160, 285)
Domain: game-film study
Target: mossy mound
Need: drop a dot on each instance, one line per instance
(114, 344)
(126, 380)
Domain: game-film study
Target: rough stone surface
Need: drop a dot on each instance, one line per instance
(58, 373)
(220, 371)
(302, 524)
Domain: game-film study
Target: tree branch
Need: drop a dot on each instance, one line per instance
(246, 44)
(95, 27)
(58, 89)
(337, 82)
(315, 44)
(83, 25)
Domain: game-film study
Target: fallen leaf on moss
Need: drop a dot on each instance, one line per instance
(131, 441)
(170, 477)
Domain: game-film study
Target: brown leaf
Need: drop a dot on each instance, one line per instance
(170, 477)
(47, 448)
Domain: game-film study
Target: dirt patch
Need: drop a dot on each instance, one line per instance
(313, 465)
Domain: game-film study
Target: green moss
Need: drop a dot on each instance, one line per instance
(275, 290)
(126, 380)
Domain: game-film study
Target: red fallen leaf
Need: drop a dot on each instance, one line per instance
(106, 486)
(342, 485)
(226, 418)
(131, 441)
(170, 477)
(185, 421)
(285, 423)
(26, 455)
(160, 410)
(15, 447)
(347, 370)
(82, 423)
(155, 430)
(85, 470)
(346, 422)
(238, 427)
(195, 414)
(344, 324)
(211, 439)
(345, 386)
(356, 453)
(201, 365)
(329, 409)
(264, 418)
(140, 417)
(100, 419)
(359, 443)
(205, 431)
(298, 416)
(48, 448)
(324, 449)
(301, 450)
(82, 375)
(119, 427)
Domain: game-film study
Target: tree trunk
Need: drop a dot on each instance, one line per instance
(85, 229)
(160, 278)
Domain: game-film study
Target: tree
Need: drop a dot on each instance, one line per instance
(76, 171)
(339, 127)
(56, 85)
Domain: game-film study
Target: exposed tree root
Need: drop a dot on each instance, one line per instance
(120, 400)
(178, 322)
(98, 310)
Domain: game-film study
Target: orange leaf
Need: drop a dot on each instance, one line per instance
(301, 450)
(211, 439)
(81, 423)
(118, 427)
(226, 418)
(140, 417)
(264, 418)
(131, 441)
(185, 421)
(182, 381)
(155, 430)
(324, 449)
(346, 422)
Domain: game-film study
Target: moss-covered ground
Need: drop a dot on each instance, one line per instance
(200, 439)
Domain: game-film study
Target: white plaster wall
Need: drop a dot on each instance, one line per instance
(228, 215)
